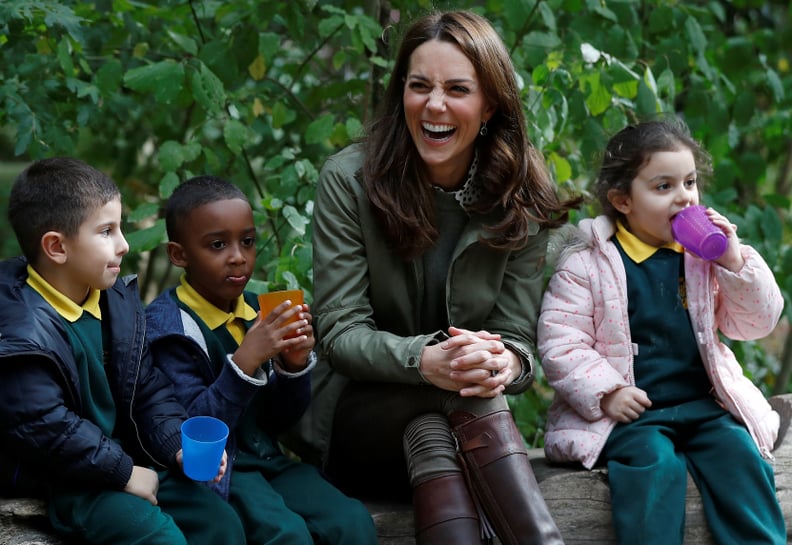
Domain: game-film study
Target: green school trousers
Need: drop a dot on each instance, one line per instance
(187, 513)
(648, 461)
(284, 502)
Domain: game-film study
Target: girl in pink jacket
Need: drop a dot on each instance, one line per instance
(628, 338)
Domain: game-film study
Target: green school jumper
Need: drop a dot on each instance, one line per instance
(113, 517)
(279, 500)
(685, 430)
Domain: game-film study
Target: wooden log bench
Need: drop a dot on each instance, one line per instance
(578, 499)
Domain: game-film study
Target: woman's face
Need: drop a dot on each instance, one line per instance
(444, 107)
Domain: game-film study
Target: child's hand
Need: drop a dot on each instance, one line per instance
(268, 336)
(731, 259)
(625, 404)
(295, 357)
(143, 483)
(220, 472)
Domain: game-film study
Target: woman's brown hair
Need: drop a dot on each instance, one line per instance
(515, 183)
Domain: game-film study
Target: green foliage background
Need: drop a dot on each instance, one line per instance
(262, 91)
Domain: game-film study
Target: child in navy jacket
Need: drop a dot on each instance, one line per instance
(86, 421)
(250, 371)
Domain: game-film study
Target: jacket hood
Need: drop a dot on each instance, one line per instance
(28, 324)
(570, 239)
(162, 314)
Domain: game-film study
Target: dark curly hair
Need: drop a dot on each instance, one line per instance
(516, 187)
(629, 150)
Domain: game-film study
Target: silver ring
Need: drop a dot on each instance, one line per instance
(494, 373)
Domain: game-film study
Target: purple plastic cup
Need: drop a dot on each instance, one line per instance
(203, 442)
(693, 229)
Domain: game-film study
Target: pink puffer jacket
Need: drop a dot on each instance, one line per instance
(586, 351)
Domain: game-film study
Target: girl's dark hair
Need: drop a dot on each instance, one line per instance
(515, 183)
(629, 150)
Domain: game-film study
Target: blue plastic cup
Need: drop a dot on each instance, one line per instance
(203, 441)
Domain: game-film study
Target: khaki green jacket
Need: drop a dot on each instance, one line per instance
(367, 301)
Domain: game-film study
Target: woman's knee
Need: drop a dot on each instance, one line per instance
(429, 448)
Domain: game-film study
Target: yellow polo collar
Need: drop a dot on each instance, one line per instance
(64, 306)
(638, 250)
(212, 316)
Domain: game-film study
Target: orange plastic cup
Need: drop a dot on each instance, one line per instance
(270, 300)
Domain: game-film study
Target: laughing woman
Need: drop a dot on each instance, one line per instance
(429, 243)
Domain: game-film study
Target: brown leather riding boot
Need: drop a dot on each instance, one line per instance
(445, 513)
(501, 477)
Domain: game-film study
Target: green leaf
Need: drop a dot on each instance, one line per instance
(164, 79)
(661, 19)
(516, 13)
(598, 98)
(772, 228)
(370, 32)
(548, 15)
(235, 135)
(26, 126)
(666, 85)
(695, 35)
(145, 210)
(330, 25)
(778, 201)
(308, 170)
(191, 150)
(545, 40)
(646, 103)
(295, 219)
(281, 115)
(64, 57)
(58, 14)
(170, 155)
(649, 79)
(269, 45)
(83, 89)
(744, 107)
(186, 43)
(562, 168)
(208, 90)
(319, 130)
(775, 84)
(167, 184)
(108, 77)
(147, 239)
(599, 8)
(354, 127)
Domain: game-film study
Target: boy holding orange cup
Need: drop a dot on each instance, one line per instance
(247, 366)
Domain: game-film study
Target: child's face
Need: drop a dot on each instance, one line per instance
(93, 256)
(663, 187)
(218, 250)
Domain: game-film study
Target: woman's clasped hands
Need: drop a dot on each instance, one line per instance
(472, 363)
